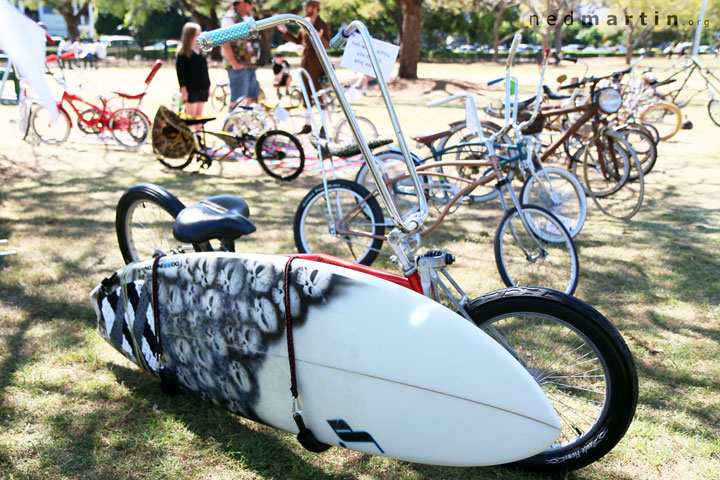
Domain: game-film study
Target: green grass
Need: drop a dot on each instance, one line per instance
(72, 407)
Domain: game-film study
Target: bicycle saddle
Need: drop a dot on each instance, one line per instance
(188, 120)
(428, 139)
(130, 96)
(664, 82)
(349, 149)
(223, 217)
(524, 104)
(552, 95)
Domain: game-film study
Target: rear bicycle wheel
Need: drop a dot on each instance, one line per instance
(713, 108)
(352, 209)
(280, 154)
(176, 163)
(343, 133)
(623, 198)
(144, 220)
(393, 165)
(130, 127)
(665, 117)
(608, 166)
(249, 123)
(296, 97)
(218, 98)
(561, 193)
(641, 141)
(580, 361)
(91, 118)
(538, 252)
(45, 130)
(470, 148)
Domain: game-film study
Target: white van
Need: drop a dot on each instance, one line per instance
(118, 43)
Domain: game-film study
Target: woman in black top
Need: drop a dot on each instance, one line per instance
(192, 71)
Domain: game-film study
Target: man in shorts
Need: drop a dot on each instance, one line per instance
(310, 61)
(241, 56)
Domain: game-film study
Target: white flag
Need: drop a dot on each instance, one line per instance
(23, 41)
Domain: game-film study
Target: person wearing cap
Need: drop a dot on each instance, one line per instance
(240, 56)
(310, 61)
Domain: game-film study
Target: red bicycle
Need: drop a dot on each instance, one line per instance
(129, 126)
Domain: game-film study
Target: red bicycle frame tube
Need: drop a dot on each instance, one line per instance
(411, 282)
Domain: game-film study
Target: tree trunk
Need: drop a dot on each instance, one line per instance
(206, 21)
(265, 47)
(410, 44)
(502, 6)
(629, 44)
(72, 19)
(558, 36)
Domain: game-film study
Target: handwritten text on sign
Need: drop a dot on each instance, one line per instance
(356, 56)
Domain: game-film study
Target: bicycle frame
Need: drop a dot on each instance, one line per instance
(100, 123)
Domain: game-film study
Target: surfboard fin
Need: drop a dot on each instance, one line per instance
(306, 437)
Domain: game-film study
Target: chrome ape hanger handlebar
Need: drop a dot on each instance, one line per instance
(412, 221)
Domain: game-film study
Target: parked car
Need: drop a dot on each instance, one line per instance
(573, 47)
(118, 43)
(161, 45)
(526, 47)
(464, 49)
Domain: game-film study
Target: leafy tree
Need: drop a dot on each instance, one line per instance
(499, 7)
(109, 24)
(70, 10)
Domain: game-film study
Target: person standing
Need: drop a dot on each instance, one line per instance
(310, 61)
(241, 56)
(192, 71)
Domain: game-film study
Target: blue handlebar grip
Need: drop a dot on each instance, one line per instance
(493, 82)
(214, 38)
(339, 39)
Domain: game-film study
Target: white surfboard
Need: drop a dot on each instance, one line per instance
(380, 369)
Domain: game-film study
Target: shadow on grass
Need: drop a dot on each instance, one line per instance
(264, 451)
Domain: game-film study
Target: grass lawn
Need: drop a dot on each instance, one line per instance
(72, 407)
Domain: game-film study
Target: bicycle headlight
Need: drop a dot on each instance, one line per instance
(608, 100)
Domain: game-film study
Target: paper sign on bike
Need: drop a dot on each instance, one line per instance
(356, 56)
(281, 114)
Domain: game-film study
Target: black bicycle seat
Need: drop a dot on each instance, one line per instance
(195, 120)
(664, 82)
(524, 104)
(344, 150)
(221, 217)
(552, 95)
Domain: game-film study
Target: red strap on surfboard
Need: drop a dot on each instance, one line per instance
(288, 326)
(305, 435)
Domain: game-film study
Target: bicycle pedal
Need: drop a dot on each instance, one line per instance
(687, 125)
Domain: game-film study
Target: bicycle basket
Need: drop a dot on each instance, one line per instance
(171, 137)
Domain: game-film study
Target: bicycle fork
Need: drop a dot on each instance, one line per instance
(431, 269)
(503, 186)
